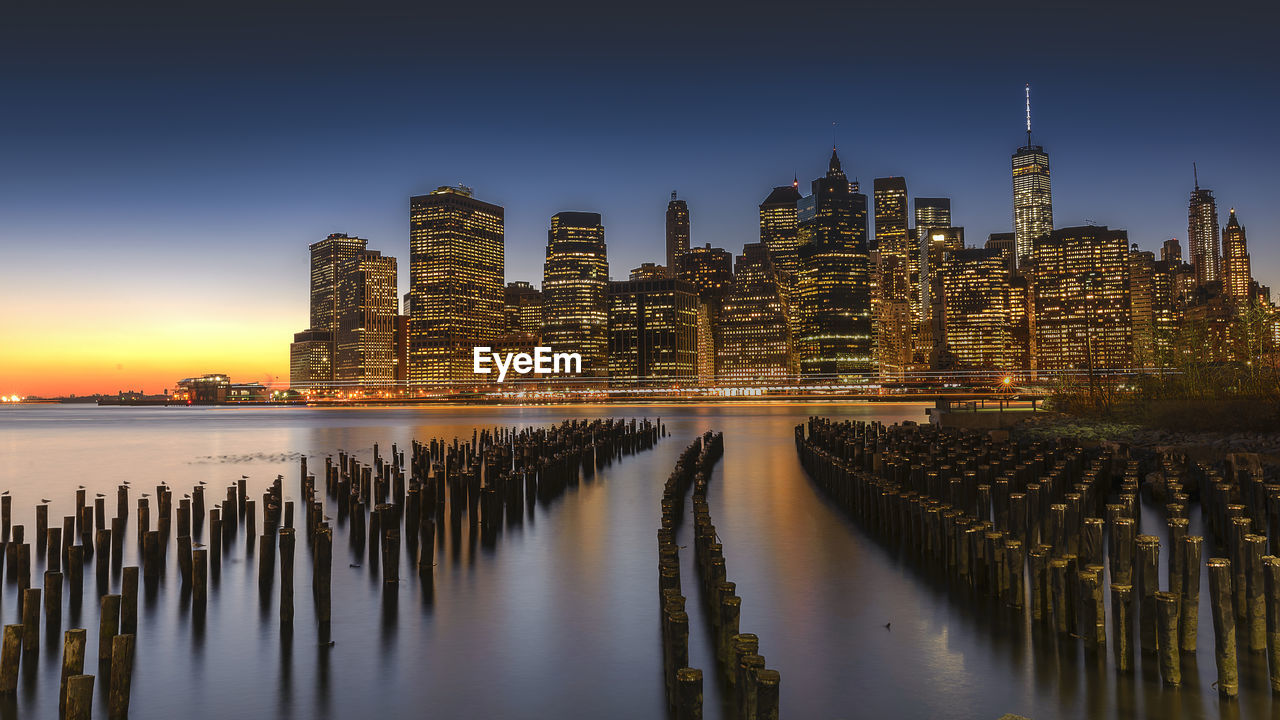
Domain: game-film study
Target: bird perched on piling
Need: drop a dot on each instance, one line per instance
(99, 495)
(46, 501)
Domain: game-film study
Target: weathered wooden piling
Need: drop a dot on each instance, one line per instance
(122, 649)
(1224, 625)
(688, 694)
(1148, 577)
(1256, 597)
(129, 600)
(1122, 626)
(10, 656)
(1092, 623)
(1170, 657)
(108, 625)
(79, 697)
(73, 651)
(286, 574)
(1190, 605)
(53, 598)
(323, 572)
(1271, 573)
(31, 619)
(199, 575)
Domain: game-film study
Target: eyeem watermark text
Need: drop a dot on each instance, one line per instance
(542, 362)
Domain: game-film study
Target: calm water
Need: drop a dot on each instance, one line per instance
(561, 619)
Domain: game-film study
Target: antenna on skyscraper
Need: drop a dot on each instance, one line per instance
(1195, 174)
(1028, 90)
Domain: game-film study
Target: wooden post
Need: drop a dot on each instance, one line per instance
(286, 574)
(323, 569)
(79, 697)
(10, 653)
(1256, 596)
(1148, 572)
(52, 598)
(1222, 603)
(200, 575)
(31, 619)
(108, 625)
(1122, 626)
(688, 694)
(129, 601)
(72, 663)
(1170, 658)
(767, 686)
(1271, 572)
(1190, 567)
(122, 647)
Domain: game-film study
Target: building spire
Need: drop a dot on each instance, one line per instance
(1028, 91)
(1195, 174)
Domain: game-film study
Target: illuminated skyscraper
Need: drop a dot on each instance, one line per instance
(1007, 244)
(575, 286)
(523, 308)
(1032, 194)
(1142, 299)
(1237, 275)
(368, 307)
(978, 311)
(1171, 251)
(311, 360)
(895, 325)
(1202, 234)
(1083, 317)
(753, 337)
(891, 216)
(834, 291)
(456, 264)
(709, 270)
(653, 331)
(326, 256)
(677, 232)
(312, 354)
(778, 229)
(649, 271)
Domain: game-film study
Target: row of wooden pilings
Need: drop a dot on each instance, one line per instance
(753, 688)
(501, 463)
(970, 506)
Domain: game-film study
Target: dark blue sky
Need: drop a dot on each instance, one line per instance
(216, 141)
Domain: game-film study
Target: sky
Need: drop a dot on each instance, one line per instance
(165, 166)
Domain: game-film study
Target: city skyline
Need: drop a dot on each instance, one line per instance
(195, 201)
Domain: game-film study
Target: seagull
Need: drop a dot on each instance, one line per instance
(6, 492)
(146, 495)
(886, 625)
(80, 487)
(100, 495)
(126, 482)
(186, 495)
(46, 501)
(353, 565)
(197, 545)
(202, 482)
(244, 477)
(328, 644)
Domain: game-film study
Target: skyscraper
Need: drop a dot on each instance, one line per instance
(753, 337)
(709, 270)
(1237, 275)
(834, 291)
(368, 307)
(1171, 251)
(1032, 194)
(931, 212)
(778, 229)
(677, 232)
(311, 360)
(891, 216)
(1083, 317)
(456, 264)
(1007, 244)
(523, 308)
(575, 286)
(1202, 234)
(653, 331)
(977, 310)
(326, 256)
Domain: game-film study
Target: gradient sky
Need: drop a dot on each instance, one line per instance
(165, 167)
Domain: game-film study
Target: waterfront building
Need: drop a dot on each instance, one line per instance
(1032, 193)
(368, 307)
(677, 232)
(753, 336)
(1237, 274)
(778, 231)
(575, 280)
(1083, 317)
(978, 310)
(653, 331)
(523, 308)
(311, 360)
(1202, 234)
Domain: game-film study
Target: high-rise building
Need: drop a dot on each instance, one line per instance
(894, 322)
(1083, 318)
(1142, 300)
(523, 308)
(653, 331)
(326, 256)
(1167, 309)
(1202, 234)
(1032, 193)
(1171, 251)
(709, 270)
(890, 195)
(753, 337)
(1007, 244)
(456, 265)
(778, 229)
(930, 213)
(368, 307)
(977, 310)
(311, 360)
(677, 231)
(1237, 274)
(575, 287)
(649, 271)
(834, 291)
